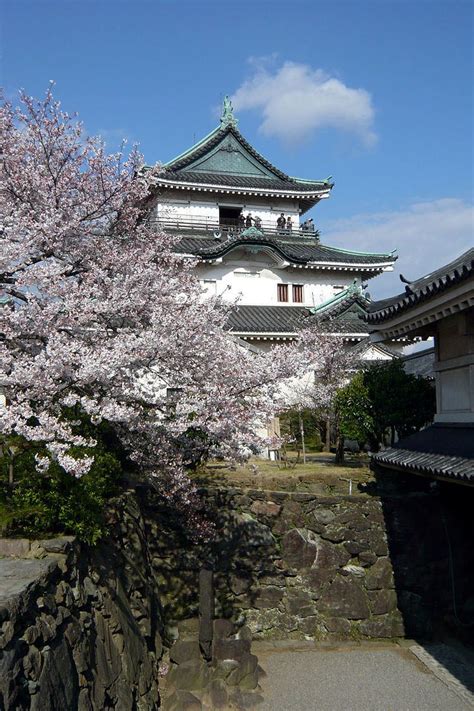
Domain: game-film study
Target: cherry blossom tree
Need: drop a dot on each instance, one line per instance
(333, 364)
(98, 313)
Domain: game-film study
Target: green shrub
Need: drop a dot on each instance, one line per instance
(57, 502)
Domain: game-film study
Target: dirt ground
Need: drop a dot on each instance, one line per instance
(319, 475)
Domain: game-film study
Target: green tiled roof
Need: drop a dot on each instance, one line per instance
(297, 250)
(225, 156)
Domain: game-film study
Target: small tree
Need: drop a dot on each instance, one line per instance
(332, 365)
(400, 402)
(354, 410)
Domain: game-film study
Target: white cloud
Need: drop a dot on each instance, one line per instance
(426, 235)
(296, 100)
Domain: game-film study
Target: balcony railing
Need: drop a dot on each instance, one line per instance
(227, 227)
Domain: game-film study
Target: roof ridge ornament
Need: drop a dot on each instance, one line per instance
(354, 288)
(251, 232)
(227, 116)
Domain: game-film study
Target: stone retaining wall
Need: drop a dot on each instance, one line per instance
(294, 565)
(80, 629)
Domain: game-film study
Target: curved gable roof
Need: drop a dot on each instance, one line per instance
(302, 251)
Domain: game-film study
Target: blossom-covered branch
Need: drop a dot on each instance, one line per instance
(100, 314)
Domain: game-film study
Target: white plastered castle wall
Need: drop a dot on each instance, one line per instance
(198, 206)
(253, 279)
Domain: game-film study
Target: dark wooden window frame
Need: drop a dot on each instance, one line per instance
(297, 293)
(282, 293)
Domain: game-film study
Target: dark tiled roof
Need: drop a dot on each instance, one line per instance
(267, 319)
(420, 363)
(242, 181)
(442, 451)
(423, 289)
(300, 251)
(288, 319)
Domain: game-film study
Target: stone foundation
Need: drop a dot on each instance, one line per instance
(83, 629)
(298, 565)
(80, 629)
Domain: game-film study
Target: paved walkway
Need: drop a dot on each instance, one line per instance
(371, 677)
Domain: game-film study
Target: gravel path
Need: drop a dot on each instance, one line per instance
(354, 678)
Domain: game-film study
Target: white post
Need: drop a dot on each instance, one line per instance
(302, 436)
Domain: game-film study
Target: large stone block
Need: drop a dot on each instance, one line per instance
(192, 675)
(380, 575)
(323, 516)
(218, 695)
(182, 701)
(235, 649)
(300, 603)
(246, 674)
(382, 601)
(383, 626)
(14, 547)
(265, 508)
(267, 597)
(345, 598)
(189, 629)
(58, 682)
(299, 548)
(223, 667)
(184, 650)
(338, 626)
(223, 628)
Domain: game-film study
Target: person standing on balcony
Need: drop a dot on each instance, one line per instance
(241, 221)
(248, 221)
(310, 225)
(281, 222)
(289, 224)
(257, 222)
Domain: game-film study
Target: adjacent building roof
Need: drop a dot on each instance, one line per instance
(442, 451)
(424, 289)
(420, 363)
(298, 251)
(341, 315)
(224, 161)
(267, 320)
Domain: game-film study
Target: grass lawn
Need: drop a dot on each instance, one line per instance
(319, 475)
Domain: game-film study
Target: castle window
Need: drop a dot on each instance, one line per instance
(210, 286)
(297, 293)
(282, 292)
(229, 216)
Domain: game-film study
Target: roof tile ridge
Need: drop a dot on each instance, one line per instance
(391, 254)
(193, 152)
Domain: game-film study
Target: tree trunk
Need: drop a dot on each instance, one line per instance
(303, 445)
(327, 446)
(339, 449)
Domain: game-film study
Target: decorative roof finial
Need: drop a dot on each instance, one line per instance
(227, 117)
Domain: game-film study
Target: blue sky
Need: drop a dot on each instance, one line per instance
(377, 94)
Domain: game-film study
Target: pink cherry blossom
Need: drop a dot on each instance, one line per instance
(100, 312)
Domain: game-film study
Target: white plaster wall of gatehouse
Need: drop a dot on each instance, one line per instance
(454, 368)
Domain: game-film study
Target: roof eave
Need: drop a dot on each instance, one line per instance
(268, 192)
